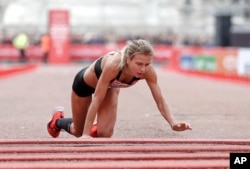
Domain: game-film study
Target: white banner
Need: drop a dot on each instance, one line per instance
(243, 65)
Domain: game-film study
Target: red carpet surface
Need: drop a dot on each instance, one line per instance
(16, 69)
(119, 153)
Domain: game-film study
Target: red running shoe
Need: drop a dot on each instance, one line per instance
(51, 127)
(93, 131)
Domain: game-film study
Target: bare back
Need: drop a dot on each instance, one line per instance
(110, 60)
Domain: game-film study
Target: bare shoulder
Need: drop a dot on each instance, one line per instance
(112, 59)
(111, 63)
(150, 74)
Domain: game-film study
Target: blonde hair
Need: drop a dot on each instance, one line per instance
(134, 47)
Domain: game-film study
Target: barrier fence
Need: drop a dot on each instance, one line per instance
(231, 63)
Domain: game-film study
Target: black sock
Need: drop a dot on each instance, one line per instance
(64, 123)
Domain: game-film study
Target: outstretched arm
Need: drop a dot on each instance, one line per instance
(162, 105)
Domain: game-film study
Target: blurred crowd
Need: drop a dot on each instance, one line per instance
(168, 38)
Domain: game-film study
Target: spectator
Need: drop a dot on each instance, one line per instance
(45, 46)
(21, 42)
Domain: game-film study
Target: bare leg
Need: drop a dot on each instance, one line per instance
(107, 112)
(80, 107)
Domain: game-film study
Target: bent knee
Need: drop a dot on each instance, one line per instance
(105, 133)
(114, 91)
(75, 132)
(78, 135)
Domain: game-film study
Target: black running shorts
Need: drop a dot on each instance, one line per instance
(80, 87)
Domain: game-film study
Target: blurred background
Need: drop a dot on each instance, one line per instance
(181, 22)
(205, 36)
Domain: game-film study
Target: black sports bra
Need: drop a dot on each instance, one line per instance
(115, 83)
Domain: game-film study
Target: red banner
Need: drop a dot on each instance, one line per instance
(226, 60)
(10, 53)
(83, 52)
(59, 30)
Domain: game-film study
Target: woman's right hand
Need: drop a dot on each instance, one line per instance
(86, 136)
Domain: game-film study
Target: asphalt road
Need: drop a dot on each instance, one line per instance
(215, 109)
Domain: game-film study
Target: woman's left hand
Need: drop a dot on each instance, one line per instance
(181, 127)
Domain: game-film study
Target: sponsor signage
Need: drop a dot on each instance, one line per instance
(244, 62)
(59, 31)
